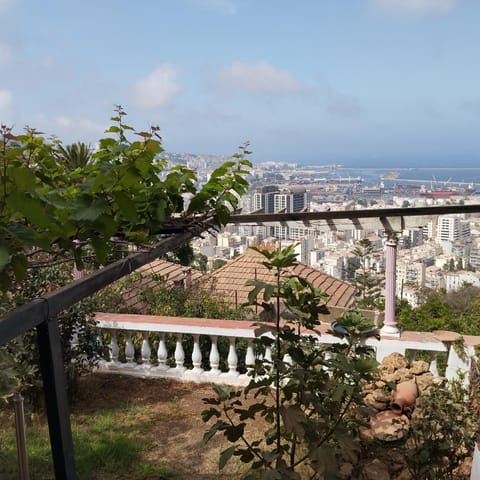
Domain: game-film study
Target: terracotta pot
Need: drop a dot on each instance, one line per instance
(404, 397)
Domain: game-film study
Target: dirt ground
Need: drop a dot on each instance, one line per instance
(171, 422)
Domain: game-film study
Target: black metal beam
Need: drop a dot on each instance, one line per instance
(250, 218)
(54, 387)
(30, 315)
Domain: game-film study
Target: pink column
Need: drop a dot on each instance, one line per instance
(390, 325)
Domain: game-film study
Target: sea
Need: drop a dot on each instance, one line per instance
(431, 177)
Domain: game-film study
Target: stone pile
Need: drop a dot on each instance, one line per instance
(386, 425)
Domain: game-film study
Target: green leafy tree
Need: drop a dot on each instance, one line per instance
(200, 262)
(80, 346)
(366, 280)
(125, 193)
(218, 263)
(73, 156)
(60, 204)
(305, 392)
(442, 432)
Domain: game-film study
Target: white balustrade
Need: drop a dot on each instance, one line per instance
(250, 356)
(179, 353)
(172, 362)
(162, 353)
(232, 358)
(197, 355)
(146, 351)
(214, 357)
(129, 349)
(113, 346)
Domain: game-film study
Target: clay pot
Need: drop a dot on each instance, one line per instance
(403, 397)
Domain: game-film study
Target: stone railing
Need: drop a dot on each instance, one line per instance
(171, 347)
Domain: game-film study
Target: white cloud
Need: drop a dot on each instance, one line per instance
(81, 126)
(6, 103)
(416, 6)
(259, 77)
(158, 89)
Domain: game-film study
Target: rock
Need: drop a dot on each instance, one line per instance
(389, 377)
(404, 475)
(393, 362)
(419, 367)
(372, 402)
(345, 471)
(389, 426)
(380, 395)
(375, 470)
(424, 381)
(403, 375)
(464, 469)
(365, 434)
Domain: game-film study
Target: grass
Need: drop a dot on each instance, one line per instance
(106, 446)
(125, 428)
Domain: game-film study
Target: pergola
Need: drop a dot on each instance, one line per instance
(42, 312)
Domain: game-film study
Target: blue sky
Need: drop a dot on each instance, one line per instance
(358, 82)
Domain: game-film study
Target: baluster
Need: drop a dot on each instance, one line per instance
(250, 356)
(434, 365)
(102, 362)
(197, 355)
(232, 358)
(268, 353)
(179, 353)
(146, 350)
(99, 340)
(129, 349)
(287, 359)
(113, 347)
(214, 357)
(162, 353)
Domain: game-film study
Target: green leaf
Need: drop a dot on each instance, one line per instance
(19, 266)
(101, 247)
(4, 257)
(293, 419)
(90, 213)
(225, 456)
(233, 433)
(126, 206)
(24, 178)
(113, 129)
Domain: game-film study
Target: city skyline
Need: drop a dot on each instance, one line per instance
(374, 83)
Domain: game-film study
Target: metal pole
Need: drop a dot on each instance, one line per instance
(51, 367)
(20, 432)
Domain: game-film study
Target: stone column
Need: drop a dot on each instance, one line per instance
(390, 324)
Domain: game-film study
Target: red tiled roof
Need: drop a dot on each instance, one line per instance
(154, 275)
(230, 280)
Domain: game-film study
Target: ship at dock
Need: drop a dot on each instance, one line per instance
(445, 192)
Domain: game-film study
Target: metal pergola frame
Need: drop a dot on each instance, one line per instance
(42, 312)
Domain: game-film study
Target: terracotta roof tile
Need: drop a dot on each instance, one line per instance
(232, 277)
(158, 273)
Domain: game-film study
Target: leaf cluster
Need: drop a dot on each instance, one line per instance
(58, 199)
(304, 392)
(442, 432)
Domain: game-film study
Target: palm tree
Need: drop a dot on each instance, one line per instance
(75, 155)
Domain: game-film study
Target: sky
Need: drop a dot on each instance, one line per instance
(356, 82)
